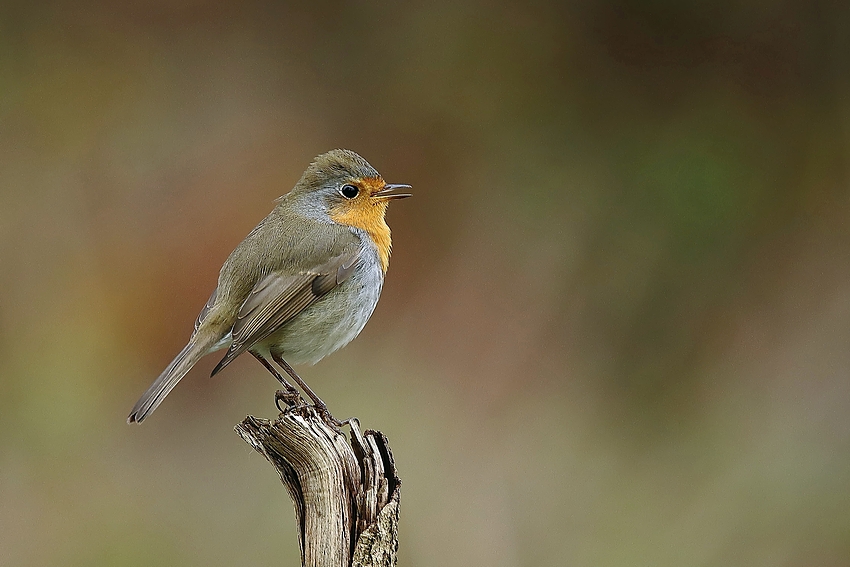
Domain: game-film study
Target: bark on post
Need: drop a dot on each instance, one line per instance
(345, 492)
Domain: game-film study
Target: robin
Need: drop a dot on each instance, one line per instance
(302, 284)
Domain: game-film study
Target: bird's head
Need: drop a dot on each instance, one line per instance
(346, 188)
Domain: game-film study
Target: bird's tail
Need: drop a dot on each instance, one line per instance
(169, 378)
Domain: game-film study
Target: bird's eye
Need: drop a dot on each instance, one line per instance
(349, 191)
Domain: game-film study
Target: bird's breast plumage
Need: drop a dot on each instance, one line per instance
(337, 318)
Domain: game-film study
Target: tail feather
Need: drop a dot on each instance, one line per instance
(169, 378)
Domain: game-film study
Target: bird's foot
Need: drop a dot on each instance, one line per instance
(291, 397)
(326, 415)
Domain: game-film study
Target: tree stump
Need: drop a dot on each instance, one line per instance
(345, 492)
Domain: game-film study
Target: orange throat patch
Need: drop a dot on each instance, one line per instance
(368, 215)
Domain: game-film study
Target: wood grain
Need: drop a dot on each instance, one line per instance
(345, 490)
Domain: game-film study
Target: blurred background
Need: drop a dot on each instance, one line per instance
(615, 327)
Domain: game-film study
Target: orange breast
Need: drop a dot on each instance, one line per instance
(369, 216)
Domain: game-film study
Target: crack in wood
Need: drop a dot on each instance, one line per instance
(345, 491)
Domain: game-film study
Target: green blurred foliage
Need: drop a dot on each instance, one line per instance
(615, 327)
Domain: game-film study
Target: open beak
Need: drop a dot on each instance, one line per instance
(386, 192)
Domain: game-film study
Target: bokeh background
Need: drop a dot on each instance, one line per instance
(614, 331)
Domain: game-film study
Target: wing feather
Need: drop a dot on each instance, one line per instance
(278, 297)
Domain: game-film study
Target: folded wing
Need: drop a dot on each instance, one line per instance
(278, 297)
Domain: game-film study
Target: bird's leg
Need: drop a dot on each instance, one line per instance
(321, 407)
(289, 394)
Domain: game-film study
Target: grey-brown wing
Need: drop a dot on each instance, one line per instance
(277, 298)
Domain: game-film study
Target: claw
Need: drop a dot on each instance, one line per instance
(290, 397)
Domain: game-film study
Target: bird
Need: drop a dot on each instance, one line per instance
(302, 284)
